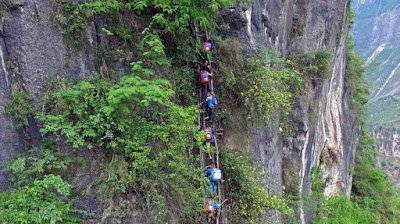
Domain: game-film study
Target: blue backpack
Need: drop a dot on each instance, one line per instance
(216, 175)
(214, 100)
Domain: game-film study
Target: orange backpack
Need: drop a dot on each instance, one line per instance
(208, 207)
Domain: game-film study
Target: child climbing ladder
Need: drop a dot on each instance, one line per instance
(214, 173)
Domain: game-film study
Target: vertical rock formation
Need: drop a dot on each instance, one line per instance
(325, 133)
(32, 53)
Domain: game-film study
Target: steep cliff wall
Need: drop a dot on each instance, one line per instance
(33, 52)
(388, 143)
(325, 133)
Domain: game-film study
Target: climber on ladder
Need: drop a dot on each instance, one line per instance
(207, 45)
(214, 175)
(211, 207)
(207, 96)
(209, 138)
(205, 79)
(211, 103)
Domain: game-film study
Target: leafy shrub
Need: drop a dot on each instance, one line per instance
(135, 118)
(38, 202)
(38, 162)
(262, 84)
(317, 185)
(264, 91)
(339, 209)
(313, 65)
(170, 17)
(248, 200)
(359, 90)
(19, 108)
(40, 195)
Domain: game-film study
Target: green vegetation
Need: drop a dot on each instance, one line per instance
(249, 200)
(339, 209)
(313, 65)
(374, 199)
(359, 90)
(144, 127)
(168, 16)
(371, 188)
(99, 114)
(19, 108)
(263, 85)
(40, 195)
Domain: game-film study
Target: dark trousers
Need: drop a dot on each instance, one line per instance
(205, 90)
(210, 113)
(213, 187)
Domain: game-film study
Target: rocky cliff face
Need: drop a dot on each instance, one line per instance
(388, 141)
(325, 133)
(33, 51)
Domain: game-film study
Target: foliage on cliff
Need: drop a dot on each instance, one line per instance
(263, 85)
(249, 200)
(40, 194)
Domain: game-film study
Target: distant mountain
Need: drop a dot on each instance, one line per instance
(377, 37)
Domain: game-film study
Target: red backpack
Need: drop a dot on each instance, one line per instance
(204, 76)
(208, 207)
(207, 46)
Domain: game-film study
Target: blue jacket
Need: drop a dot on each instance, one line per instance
(209, 172)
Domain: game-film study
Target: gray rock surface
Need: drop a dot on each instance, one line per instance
(325, 132)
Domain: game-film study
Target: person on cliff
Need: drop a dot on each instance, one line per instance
(207, 66)
(209, 134)
(211, 103)
(214, 175)
(211, 207)
(205, 79)
(209, 138)
(207, 45)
